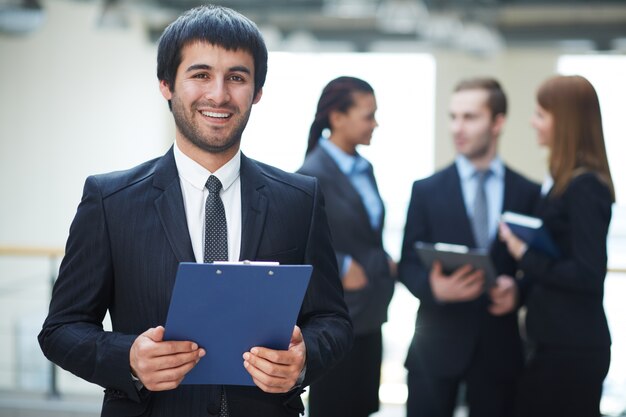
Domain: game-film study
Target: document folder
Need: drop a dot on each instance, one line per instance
(229, 308)
(532, 231)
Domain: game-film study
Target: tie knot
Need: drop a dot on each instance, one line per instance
(213, 184)
(482, 175)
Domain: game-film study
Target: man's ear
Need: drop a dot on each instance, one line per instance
(165, 89)
(258, 96)
(498, 124)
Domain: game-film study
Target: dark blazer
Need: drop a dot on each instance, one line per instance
(353, 235)
(446, 335)
(125, 243)
(565, 306)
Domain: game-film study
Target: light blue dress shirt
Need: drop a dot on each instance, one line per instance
(360, 173)
(494, 188)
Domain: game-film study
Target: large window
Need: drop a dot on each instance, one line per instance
(402, 147)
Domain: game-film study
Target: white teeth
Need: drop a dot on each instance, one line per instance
(218, 115)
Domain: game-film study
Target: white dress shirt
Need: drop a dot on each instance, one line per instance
(193, 178)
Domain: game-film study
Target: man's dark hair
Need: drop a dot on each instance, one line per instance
(216, 25)
(496, 100)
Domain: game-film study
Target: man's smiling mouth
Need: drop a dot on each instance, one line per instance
(216, 114)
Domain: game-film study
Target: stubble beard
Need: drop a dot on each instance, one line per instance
(481, 151)
(189, 129)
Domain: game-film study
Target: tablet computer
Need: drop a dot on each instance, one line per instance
(453, 257)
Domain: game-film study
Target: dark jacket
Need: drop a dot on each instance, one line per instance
(447, 334)
(353, 235)
(565, 306)
(125, 243)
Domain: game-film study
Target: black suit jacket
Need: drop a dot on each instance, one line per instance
(353, 235)
(565, 304)
(447, 334)
(125, 243)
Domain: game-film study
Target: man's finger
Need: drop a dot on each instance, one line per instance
(475, 278)
(269, 383)
(270, 388)
(169, 378)
(436, 268)
(296, 336)
(155, 333)
(281, 357)
(155, 350)
(268, 369)
(461, 272)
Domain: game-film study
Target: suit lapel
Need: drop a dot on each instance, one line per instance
(509, 191)
(330, 168)
(457, 207)
(170, 208)
(253, 208)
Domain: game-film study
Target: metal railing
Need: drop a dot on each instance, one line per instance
(53, 254)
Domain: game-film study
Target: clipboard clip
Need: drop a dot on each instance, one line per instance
(247, 262)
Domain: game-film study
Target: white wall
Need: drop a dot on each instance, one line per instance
(74, 100)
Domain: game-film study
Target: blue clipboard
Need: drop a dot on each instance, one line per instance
(229, 308)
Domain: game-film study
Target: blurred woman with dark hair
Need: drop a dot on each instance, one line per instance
(344, 120)
(568, 334)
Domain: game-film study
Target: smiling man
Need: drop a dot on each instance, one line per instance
(463, 333)
(133, 228)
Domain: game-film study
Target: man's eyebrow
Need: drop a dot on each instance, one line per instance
(237, 68)
(195, 67)
(240, 68)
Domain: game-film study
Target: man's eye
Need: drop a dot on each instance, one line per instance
(236, 78)
(201, 76)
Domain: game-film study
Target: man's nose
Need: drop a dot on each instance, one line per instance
(217, 92)
(456, 126)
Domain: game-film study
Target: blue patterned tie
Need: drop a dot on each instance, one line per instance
(480, 220)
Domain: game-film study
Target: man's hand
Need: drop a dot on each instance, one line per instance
(355, 277)
(276, 371)
(503, 296)
(162, 365)
(464, 284)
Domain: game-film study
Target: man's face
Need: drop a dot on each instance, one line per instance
(212, 96)
(473, 129)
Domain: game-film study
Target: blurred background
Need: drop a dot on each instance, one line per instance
(79, 95)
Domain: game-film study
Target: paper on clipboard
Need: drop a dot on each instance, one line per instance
(228, 309)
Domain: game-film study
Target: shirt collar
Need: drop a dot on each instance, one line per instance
(197, 175)
(467, 170)
(348, 164)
